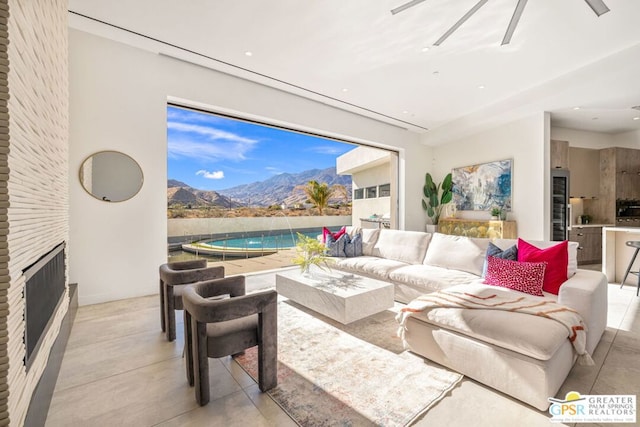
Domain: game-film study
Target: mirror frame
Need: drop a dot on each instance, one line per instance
(104, 199)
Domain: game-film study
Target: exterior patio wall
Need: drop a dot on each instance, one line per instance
(181, 227)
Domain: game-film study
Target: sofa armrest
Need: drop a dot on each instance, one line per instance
(586, 292)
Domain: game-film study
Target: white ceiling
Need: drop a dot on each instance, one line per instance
(561, 55)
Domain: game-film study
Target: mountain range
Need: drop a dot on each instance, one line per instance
(275, 190)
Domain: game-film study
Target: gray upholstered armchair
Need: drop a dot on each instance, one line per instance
(174, 277)
(228, 326)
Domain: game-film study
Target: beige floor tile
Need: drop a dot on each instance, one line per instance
(114, 326)
(229, 411)
(84, 364)
(621, 372)
(473, 404)
(141, 397)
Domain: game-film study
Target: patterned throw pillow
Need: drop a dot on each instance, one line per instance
(493, 250)
(335, 247)
(353, 246)
(526, 277)
(556, 257)
(326, 232)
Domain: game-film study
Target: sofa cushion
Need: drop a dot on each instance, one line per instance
(556, 258)
(510, 253)
(369, 265)
(527, 277)
(336, 246)
(326, 233)
(353, 246)
(572, 250)
(430, 278)
(403, 246)
(457, 253)
(533, 336)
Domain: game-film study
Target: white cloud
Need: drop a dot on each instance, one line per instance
(216, 145)
(223, 150)
(274, 170)
(211, 175)
(328, 149)
(209, 132)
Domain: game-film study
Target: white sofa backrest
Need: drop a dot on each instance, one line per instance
(400, 245)
(457, 253)
(369, 238)
(572, 249)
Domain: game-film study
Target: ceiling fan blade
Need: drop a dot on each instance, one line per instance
(598, 6)
(514, 21)
(405, 6)
(461, 21)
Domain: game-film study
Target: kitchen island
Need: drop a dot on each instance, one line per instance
(616, 254)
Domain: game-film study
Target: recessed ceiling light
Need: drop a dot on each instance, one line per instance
(576, 108)
(405, 112)
(248, 53)
(345, 89)
(425, 49)
(481, 87)
(636, 118)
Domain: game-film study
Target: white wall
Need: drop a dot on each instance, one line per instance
(118, 97)
(526, 142)
(364, 208)
(627, 139)
(583, 139)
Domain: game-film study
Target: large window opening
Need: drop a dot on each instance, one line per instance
(239, 189)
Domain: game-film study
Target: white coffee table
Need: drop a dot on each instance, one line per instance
(341, 296)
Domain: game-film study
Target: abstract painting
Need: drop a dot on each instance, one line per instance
(482, 187)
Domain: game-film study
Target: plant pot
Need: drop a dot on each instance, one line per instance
(431, 228)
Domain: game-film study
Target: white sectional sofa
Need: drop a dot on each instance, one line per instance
(526, 357)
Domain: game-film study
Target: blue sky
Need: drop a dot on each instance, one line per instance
(210, 152)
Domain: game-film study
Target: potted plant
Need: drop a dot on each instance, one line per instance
(310, 251)
(496, 212)
(436, 197)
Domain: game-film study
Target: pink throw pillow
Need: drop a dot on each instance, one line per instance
(556, 257)
(335, 235)
(526, 277)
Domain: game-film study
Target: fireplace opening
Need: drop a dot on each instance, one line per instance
(43, 291)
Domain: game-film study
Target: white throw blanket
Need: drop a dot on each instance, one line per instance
(485, 299)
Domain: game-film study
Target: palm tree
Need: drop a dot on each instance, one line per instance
(320, 194)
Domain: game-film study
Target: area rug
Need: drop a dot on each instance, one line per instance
(329, 375)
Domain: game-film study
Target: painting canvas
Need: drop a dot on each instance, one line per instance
(482, 187)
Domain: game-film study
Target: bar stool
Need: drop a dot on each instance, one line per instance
(632, 244)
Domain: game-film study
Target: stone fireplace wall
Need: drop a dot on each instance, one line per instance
(37, 186)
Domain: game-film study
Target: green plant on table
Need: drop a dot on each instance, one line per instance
(435, 201)
(496, 212)
(310, 251)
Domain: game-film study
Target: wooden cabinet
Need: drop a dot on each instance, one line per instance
(590, 244)
(478, 228)
(627, 174)
(584, 165)
(559, 154)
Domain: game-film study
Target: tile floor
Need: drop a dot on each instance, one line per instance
(119, 370)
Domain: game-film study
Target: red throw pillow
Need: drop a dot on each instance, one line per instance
(335, 235)
(526, 277)
(556, 257)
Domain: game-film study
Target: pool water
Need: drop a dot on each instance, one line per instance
(272, 241)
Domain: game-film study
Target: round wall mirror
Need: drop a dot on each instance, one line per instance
(111, 176)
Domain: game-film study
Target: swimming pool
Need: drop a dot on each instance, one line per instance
(250, 246)
(267, 241)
